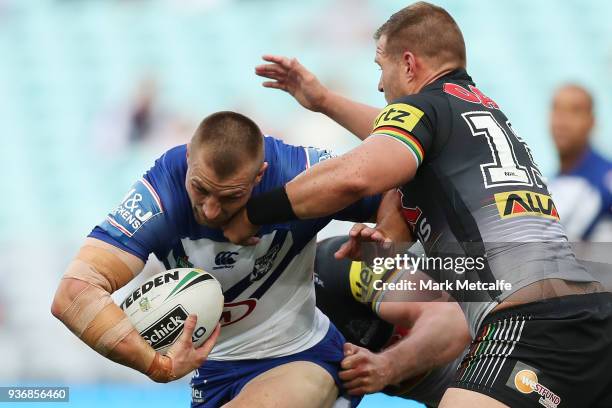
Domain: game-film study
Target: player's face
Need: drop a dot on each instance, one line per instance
(390, 72)
(215, 200)
(571, 120)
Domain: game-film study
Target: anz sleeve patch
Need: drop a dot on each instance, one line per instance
(138, 206)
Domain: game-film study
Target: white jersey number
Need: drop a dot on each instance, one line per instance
(505, 169)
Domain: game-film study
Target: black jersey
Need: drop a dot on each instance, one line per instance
(339, 286)
(477, 193)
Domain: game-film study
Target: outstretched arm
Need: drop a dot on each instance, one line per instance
(375, 166)
(292, 77)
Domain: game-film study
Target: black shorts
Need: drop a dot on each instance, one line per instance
(552, 353)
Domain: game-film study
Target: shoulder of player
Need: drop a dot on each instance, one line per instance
(161, 190)
(286, 161)
(174, 160)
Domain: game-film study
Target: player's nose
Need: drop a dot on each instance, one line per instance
(211, 208)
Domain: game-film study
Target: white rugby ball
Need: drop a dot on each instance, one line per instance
(159, 307)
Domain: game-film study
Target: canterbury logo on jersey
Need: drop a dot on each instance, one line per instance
(521, 203)
(225, 259)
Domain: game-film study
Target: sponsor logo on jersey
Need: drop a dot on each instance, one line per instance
(168, 277)
(166, 330)
(138, 206)
(263, 264)
(397, 121)
(525, 203)
(233, 312)
(473, 95)
(399, 115)
(524, 379)
(417, 221)
(225, 260)
(183, 262)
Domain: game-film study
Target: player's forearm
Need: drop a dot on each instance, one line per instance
(127, 348)
(371, 168)
(389, 219)
(83, 303)
(436, 338)
(326, 188)
(356, 117)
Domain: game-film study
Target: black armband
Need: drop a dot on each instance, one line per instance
(271, 207)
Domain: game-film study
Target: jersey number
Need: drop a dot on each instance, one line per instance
(505, 169)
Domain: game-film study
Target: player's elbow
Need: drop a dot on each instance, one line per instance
(65, 294)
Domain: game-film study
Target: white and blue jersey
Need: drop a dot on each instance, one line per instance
(269, 293)
(584, 198)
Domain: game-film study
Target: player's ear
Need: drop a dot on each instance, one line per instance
(409, 63)
(188, 149)
(260, 173)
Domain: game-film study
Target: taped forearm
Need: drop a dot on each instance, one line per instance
(84, 305)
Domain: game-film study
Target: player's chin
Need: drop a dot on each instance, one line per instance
(216, 223)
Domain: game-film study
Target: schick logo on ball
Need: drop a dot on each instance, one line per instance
(166, 330)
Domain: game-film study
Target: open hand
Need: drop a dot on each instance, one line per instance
(290, 76)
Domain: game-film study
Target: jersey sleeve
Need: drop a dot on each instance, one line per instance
(409, 121)
(141, 223)
(288, 161)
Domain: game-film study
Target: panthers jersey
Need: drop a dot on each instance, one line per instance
(268, 288)
(477, 193)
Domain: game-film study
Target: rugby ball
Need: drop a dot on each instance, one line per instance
(159, 307)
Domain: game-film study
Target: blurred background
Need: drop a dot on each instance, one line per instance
(92, 91)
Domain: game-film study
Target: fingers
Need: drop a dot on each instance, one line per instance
(352, 361)
(357, 382)
(348, 375)
(344, 250)
(282, 61)
(271, 74)
(356, 230)
(188, 328)
(205, 349)
(275, 85)
(270, 69)
(349, 349)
